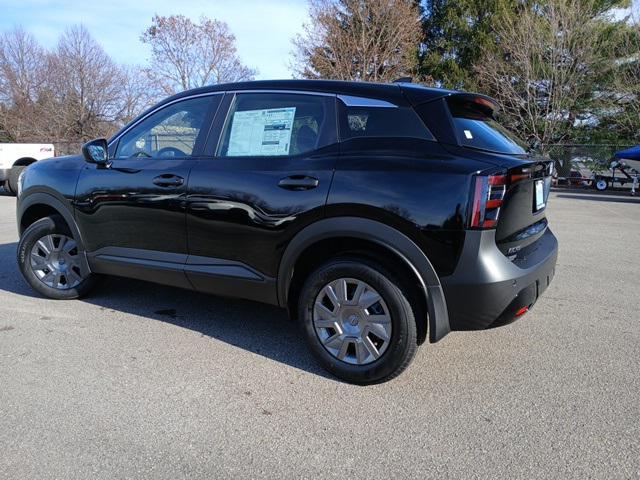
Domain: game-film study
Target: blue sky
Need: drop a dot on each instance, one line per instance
(263, 28)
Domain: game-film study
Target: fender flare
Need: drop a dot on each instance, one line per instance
(384, 235)
(62, 207)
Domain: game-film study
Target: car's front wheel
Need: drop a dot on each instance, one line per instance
(51, 260)
(358, 321)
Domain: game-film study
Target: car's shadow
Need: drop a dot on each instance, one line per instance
(262, 329)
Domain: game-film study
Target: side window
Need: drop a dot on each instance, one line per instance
(277, 125)
(380, 119)
(170, 132)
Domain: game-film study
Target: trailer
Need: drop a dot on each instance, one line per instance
(627, 163)
(15, 157)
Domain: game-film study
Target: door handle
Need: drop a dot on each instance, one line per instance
(298, 182)
(168, 180)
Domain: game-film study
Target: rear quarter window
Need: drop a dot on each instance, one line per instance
(380, 121)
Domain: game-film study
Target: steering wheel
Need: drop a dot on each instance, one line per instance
(140, 153)
(175, 152)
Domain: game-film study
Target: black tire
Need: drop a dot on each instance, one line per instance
(12, 182)
(8, 190)
(403, 344)
(39, 229)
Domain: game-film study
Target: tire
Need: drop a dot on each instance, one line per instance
(12, 182)
(9, 190)
(75, 280)
(601, 185)
(394, 356)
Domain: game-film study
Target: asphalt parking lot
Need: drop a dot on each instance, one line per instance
(143, 381)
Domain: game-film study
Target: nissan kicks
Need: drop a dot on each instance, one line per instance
(378, 215)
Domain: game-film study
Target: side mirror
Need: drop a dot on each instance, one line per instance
(96, 151)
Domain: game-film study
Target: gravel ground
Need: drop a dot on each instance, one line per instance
(143, 381)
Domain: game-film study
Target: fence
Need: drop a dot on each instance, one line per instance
(586, 158)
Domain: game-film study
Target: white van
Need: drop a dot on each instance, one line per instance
(15, 157)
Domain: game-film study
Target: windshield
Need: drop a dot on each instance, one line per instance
(476, 128)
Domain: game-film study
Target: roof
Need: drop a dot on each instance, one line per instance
(398, 93)
(402, 94)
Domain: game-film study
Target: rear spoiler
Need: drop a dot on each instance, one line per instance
(488, 104)
(419, 96)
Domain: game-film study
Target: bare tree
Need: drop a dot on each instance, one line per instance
(22, 62)
(88, 85)
(187, 55)
(67, 95)
(23, 76)
(138, 93)
(547, 69)
(376, 40)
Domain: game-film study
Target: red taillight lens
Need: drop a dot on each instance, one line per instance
(525, 174)
(488, 194)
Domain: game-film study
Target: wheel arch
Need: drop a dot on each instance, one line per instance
(385, 237)
(24, 162)
(39, 205)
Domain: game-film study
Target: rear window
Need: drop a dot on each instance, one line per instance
(376, 121)
(476, 128)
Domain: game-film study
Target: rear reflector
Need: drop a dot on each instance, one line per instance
(522, 311)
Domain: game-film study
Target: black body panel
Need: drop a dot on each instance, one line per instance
(237, 211)
(115, 205)
(415, 186)
(57, 176)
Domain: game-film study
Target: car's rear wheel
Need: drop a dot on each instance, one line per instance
(358, 321)
(51, 260)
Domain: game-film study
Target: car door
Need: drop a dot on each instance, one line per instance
(131, 213)
(266, 175)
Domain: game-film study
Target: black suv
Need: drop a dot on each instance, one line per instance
(377, 215)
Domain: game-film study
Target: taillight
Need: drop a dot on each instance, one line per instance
(488, 195)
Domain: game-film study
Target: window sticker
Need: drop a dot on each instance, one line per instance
(468, 134)
(261, 132)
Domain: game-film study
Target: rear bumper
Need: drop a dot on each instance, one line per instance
(487, 289)
(4, 174)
